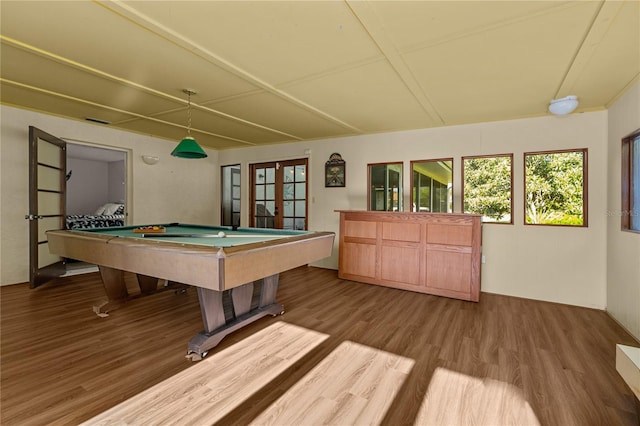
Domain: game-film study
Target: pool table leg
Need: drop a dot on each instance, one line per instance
(216, 327)
(116, 289)
(269, 290)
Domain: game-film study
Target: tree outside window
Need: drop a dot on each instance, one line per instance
(487, 187)
(555, 188)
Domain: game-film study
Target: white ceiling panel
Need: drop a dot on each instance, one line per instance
(27, 67)
(207, 122)
(419, 24)
(29, 98)
(382, 101)
(275, 112)
(598, 81)
(275, 41)
(482, 65)
(269, 72)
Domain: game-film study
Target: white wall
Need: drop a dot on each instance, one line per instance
(117, 181)
(94, 183)
(174, 190)
(560, 264)
(623, 254)
(88, 187)
(566, 265)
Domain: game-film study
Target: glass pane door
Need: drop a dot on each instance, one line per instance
(264, 196)
(279, 195)
(47, 198)
(294, 197)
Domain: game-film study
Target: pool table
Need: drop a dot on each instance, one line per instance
(235, 270)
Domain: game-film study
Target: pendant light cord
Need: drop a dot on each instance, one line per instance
(189, 113)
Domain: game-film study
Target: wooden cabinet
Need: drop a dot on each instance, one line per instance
(434, 253)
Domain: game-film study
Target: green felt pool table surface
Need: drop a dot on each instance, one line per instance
(200, 234)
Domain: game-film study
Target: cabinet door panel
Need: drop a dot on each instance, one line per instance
(359, 259)
(401, 264)
(401, 231)
(360, 228)
(449, 270)
(460, 235)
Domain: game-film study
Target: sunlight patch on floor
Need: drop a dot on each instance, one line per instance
(355, 384)
(210, 389)
(454, 399)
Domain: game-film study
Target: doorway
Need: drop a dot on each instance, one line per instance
(96, 177)
(279, 194)
(53, 163)
(231, 187)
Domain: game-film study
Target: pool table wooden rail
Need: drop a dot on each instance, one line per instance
(237, 270)
(202, 266)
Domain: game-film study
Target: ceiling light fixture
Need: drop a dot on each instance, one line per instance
(563, 106)
(188, 147)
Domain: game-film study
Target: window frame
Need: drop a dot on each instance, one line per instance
(585, 186)
(472, 157)
(434, 160)
(627, 184)
(401, 180)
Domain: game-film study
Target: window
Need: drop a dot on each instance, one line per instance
(385, 183)
(556, 187)
(630, 212)
(432, 186)
(488, 187)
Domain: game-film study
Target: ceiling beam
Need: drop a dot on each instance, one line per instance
(129, 12)
(602, 20)
(368, 19)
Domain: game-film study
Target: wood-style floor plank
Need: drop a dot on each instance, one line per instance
(207, 391)
(501, 361)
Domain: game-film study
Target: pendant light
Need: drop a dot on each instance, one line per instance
(188, 147)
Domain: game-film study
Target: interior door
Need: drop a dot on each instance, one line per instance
(231, 190)
(47, 203)
(279, 195)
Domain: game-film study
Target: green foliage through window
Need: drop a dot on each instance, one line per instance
(487, 187)
(555, 188)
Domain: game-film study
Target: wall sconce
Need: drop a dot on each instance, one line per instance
(150, 159)
(563, 106)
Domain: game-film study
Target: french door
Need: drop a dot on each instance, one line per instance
(279, 194)
(47, 203)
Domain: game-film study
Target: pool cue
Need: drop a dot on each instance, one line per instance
(165, 235)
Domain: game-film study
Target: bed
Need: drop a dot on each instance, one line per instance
(110, 214)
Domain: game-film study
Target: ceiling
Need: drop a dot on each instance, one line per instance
(272, 72)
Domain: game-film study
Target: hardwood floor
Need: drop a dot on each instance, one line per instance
(501, 361)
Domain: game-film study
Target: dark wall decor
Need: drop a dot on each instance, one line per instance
(334, 171)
